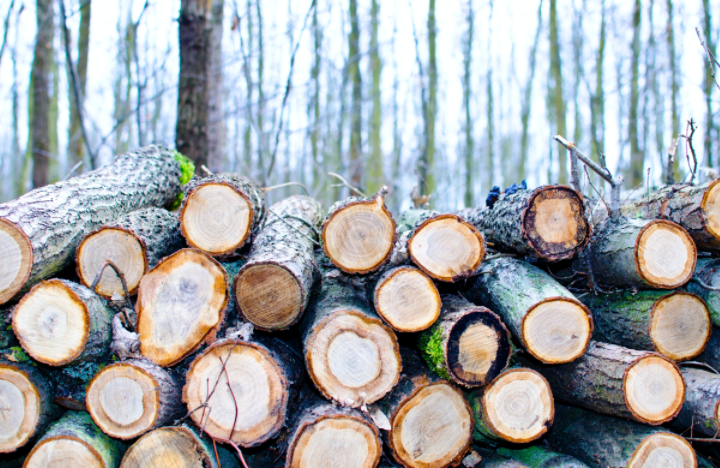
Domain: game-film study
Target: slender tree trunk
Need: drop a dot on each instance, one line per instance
(14, 190)
(469, 140)
(54, 151)
(355, 166)
(556, 89)
(490, 153)
(247, 134)
(675, 86)
(76, 147)
(315, 117)
(636, 155)
(578, 48)
(397, 132)
(216, 91)
(708, 85)
(429, 173)
(650, 52)
(261, 96)
(375, 173)
(598, 98)
(39, 132)
(527, 97)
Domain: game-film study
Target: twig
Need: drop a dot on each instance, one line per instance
(120, 275)
(287, 184)
(703, 285)
(607, 207)
(207, 171)
(689, 143)
(699, 364)
(346, 184)
(74, 168)
(234, 445)
(217, 459)
(647, 207)
(712, 61)
(282, 218)
(232, 431)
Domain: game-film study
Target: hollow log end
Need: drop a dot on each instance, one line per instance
(269, 296)
(407, 300)
(654, 389)
(20, 407)
(710, 206)
(665, 255)
(168, 447)
(680, 325)
(656, 449)
(16, 256)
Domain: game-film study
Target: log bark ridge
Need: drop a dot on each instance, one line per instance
(273, 288)
(707, 272)
(550, 323)
(221, 213)
(135, 243)
(701, 410)
(40, 231)
(711, 353)
(540, 457)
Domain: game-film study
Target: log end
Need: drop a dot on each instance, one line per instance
(710, 206)
(407, 300)
(654, 389)
(557, 330)
(269, 296)
(663, 449)
(665, 255)
(433, 427)
(16, 258)
(20, 405)
(447, 248)
(680, 325)
(64, 451)
(167, 447)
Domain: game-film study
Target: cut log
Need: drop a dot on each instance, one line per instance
(358, 234)
(442, 245)
(25, 405)
(176, 447)
(602, 441)
(59, 322)
(645, 254)
(609, 379)
(707, 273)
(40, 231)
(405, 298)
(134, 243)
(128, 399)
(468, 345)
(221, 212)
(246, 386)
(351, 355)
(676, 325)
(541, 457)
(75, 441)
(711, 354)
(548, 222)
(516, 407)
(544, 316)
(493, 459)
(273, 288)
(695, 208)
(180, 304)
(701, 411)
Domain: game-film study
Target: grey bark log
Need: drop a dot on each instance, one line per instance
(702, 400)
(707, 272)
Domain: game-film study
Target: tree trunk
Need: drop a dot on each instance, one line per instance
(701, 410)
(708, 86)
(527, 99)
(273, 288)
(76, 145)
(707, 272)
(135, 243)
(180, 305)
(375, 174)
(221, 213)
(540, 457)
(127, 399)
(469, 147)
(75, 440)
(59, 322)
(637, 156)
(40, 76)
(516, 407)
(427, 168)
(548, 222)
(546, 318)
(609, 379)
(469, 345)
(40, 231)
(353, 70)
(601, 441)
(675, 84)
(358, 234)
(216, 91)
(676, 325)
(556, 90)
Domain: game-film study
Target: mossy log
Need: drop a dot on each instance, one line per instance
(59, 322)
(75, 441)
(493, 459)
(468, 345)
(134, 243)
(40, 231)
(273, 287)
(701, 411)
(707, 273)
(602, 441)
(550, 323)
(221, 213)
(675, 324)
(609, 379)
(538, 456)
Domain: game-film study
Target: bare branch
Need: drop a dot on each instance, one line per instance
(347, 184)
(287, 184)
(712, 61)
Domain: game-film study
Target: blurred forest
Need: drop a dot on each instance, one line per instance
(441, 98)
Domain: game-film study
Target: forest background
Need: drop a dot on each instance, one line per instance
(443, 98)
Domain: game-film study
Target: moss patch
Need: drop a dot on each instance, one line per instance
(187, 171)
(17, 354)
(432, 352)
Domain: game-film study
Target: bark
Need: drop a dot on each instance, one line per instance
(674, 85)
(711, 354)
(76, 147)
(636, 154)
(707, 272)
(353, 70)
(375, 173)
(216, 91)
(491, 459)
(275, 284)
(702, 399)
(597, 99)
(44, 227)
(39, 132)
(427, 166)
(527, 99)
(469, 148)
(490, 112)
(556, 90)
(69, 382)
(540, 457)
(708, 85)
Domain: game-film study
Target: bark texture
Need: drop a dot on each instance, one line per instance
(711, 353)
(702, 400)
(707, 272)
(540, 457)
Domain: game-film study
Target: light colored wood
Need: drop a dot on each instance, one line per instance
(557, 330)
(711, 208)
(654, 389)
(170, 447)
(121, 248)
(63, 452)
(16, 258)
(680, 326)
(407, 300)
(663, 450)
(269, 296)
(555, 220)
(216, 218)
(477, 349)
(19, 409)
(432, 427)
(665, 254)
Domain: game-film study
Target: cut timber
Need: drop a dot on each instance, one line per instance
(331, 437)
(250, 387)
(180, 303)
(176, 447)
(221, 212)
(645, 254)
(469, 344)
(40, 231)
(59, 322)
(443, 245)
(701, 410)
(351, 355)
(548, 222)
(540, 457)
(676, 325)
(695, 208)
(707, 272)
(602, 441)
(75, 441)
(545, 317)
(26, 406)
(609, 379)
(273, 288)
(130, 398)
(134, 243)
(711, 354)
(358, 234)
(406, 298)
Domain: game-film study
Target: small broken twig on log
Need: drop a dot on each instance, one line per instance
(670, 170)
(688, 144)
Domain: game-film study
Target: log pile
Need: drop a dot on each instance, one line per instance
(235, 333)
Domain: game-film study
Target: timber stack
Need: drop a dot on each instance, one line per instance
(151, 318)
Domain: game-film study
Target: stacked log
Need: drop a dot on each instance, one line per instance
(705, 283)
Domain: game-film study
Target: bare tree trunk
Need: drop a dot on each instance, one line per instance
(675, 86)
(375, 173)
(39, 134)
(469, 139)
(578, 69)
(556, 89)
(247, 135)
(76, 148)
(527, 97)
(597, 115)
(315, 117)
(216, 92)
(397, 133)
(262, 148)
(14, 190)
(708, 85)
(355, 166)
(636, 154)
(490, 152)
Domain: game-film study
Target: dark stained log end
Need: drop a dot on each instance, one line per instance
(680, 326)
(269, 296)
(711, 208)
(16, 257)
(407, 299)
(654, 389)
(663, 449)
(557, 330)
(665, 255)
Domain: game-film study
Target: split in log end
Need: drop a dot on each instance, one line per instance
(663, 449)
(654, 389)
(665, 255)
(20, 406)
(269, 296)
(680, 326)
(711, 208)
(408, 300)
(557, 330)
(16, 258)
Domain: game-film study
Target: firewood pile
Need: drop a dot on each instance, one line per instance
(155, 319)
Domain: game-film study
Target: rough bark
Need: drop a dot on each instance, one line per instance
(545, 317)
(707, 272)
(41, 230)
(76, 146)
(353, 71)
(555, 90)
(273, 288)
(711, 354)
(39, 144)
(637, 156)
(216, 91)
(701, 411)
(540, 457)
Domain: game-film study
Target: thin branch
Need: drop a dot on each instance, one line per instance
(346, 184)
(74, 168)
(286, 184)
(282, 218)
(234, 445)
(699, 364)
(703, 285)
(689, 144)
(232, 431)
(712, 61)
